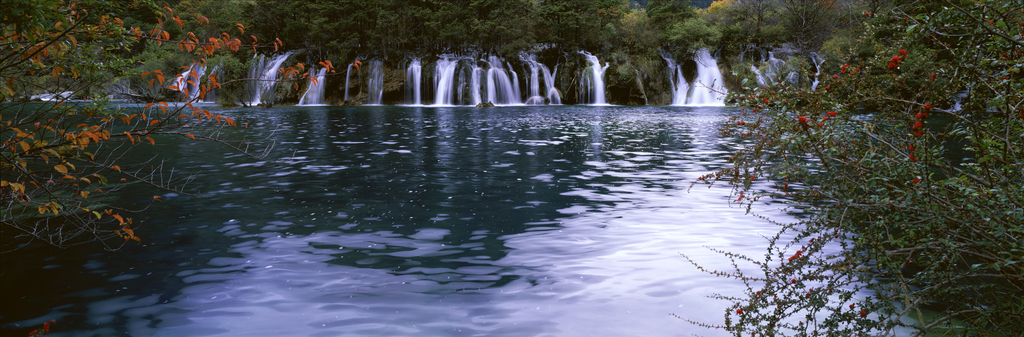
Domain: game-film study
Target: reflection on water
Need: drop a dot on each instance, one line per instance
(411, 221)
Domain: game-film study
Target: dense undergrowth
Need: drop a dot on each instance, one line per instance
(910, 159)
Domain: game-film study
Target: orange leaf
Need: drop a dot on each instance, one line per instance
(118, 168)
(191, 136)
(151, 141)
(155, 121)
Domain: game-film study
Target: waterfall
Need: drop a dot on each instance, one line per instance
(474, 84)
(818, 61)
(348, 75)
(315, 89)
(680, 87)
(549, 80)
(501, 88)
(709, 84)
(188, 82)
(265, 75)
(773, 71)
(375, 84)
(592, 87)
(444, 81)
(413, 77)
(211, 93)
(536, 96)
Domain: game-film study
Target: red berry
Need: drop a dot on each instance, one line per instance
(863, 313)
(739, 311)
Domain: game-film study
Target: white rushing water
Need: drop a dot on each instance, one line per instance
(592, 84)
(375, 84)
(314, 94)
(502, 88)
(348, 76)
(188, 82)
(549, 94)
(413, 82)
(818, 61)
(265, 74)
(444, 81)
(709, 88)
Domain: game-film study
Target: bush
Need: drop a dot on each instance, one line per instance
(910, 161)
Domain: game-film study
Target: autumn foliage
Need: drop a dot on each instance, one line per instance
(63, 160)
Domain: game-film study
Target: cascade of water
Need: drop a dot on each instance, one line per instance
(501, 88)
(818, 61)
(592, 86)
(315, 89)
(265, 86)
(680, 87)
(460, 86)
(444, 81)
(474, 84)
(709, 84)
(773, 72)
(549, 81)
(348, 75)
(211, 94)
(413, 75)
(536, 96)
(188, 81)
(761, 79)
(375, 84)
(515, 84)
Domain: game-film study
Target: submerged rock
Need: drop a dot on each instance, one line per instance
(485, 105)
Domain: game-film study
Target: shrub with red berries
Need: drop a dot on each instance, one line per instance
(910, 188)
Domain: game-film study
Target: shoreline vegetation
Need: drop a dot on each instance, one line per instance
(897, 125)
